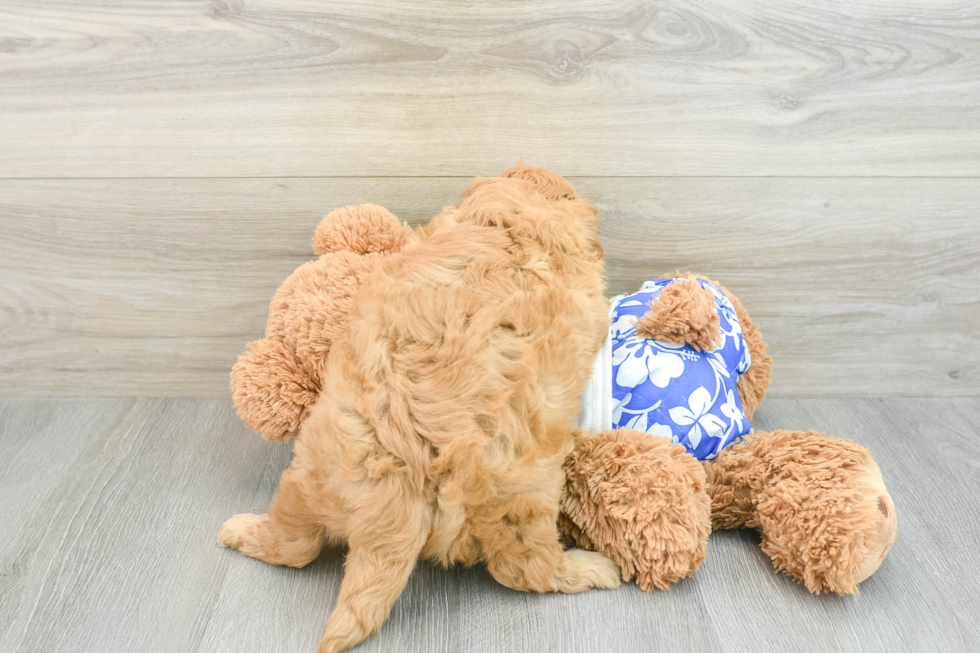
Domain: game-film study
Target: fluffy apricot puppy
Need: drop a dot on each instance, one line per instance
(447, 410)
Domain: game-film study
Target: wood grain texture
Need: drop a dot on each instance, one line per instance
(153, 287)
(306, 88)
(110, 507)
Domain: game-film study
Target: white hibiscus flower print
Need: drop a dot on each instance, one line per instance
(655, 284)
(639, 361)
(719, 365)
(664, 366)
(650, 371)
(624, 326)
(697, 415)
(746, 361)
(639, 422)
(730, 409)
(618, 410)
(662, 430)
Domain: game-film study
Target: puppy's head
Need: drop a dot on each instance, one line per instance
(534, 203)
(544, 182)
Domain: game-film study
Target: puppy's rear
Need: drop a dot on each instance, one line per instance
(446, 415)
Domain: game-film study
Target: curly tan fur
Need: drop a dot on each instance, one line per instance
(277, 381)
(820, 504)
(637, 499)
(640, 500)
(546, 183)
(683, 312)
(446, 411)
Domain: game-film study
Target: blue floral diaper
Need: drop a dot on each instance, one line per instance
(669, 390)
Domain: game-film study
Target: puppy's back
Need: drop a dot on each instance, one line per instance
(470, 348)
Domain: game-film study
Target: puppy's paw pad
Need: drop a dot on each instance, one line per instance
(239, 530)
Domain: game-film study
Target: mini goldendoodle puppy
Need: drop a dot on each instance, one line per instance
(446, 414)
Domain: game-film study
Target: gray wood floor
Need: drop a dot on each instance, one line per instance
(109, 508)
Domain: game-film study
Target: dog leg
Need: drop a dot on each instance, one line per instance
(523, 553)
(385, 543)
(290, 534)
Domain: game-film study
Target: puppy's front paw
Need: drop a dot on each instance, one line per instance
(239, 531)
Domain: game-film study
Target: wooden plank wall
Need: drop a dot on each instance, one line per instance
(163, 165)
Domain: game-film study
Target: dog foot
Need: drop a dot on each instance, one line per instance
(588, 569)
(239, 533)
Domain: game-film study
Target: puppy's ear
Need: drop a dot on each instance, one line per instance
(359, 229)
(683, 313)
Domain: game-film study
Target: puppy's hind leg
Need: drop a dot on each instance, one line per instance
(290, 534)
(583, 570)
(523, 553)
(385, 540)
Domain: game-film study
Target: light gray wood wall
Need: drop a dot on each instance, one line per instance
(163, 165)
(305, 87)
